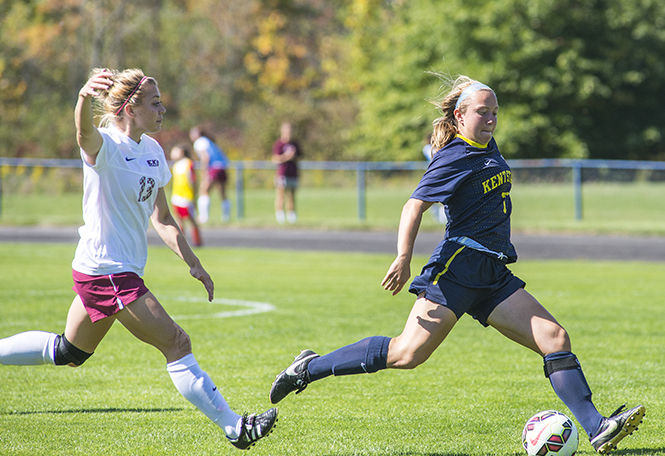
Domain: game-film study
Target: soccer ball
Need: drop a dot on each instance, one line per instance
(550, 433)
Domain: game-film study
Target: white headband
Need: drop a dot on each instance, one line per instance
(476, 86)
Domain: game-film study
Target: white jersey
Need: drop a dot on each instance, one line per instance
(119, 194)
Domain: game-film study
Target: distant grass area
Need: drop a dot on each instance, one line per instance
(470, 399)
(627, 208)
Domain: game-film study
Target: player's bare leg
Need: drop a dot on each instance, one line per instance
(290, 205)
(523, 319)
(146, 319)
(427, 326)
(279, 204)
(72, 348)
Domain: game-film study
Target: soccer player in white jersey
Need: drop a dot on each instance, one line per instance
(214, 164)
(125, 172)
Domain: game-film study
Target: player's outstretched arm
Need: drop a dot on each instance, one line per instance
(409, 224)
(169, 231)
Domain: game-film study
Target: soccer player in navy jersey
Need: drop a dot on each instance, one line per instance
(466, 273)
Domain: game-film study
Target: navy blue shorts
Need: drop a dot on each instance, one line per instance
(466, 281)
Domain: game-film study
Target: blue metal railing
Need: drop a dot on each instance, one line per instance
(361, 169)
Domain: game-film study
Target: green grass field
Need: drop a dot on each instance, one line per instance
(470, 399)
(634, 208)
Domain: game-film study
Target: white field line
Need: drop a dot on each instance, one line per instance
(246, 308)
(242, 307)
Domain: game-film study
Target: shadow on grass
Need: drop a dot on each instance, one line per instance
(401, 453)
(640, 451)
(96, 410)
(626, 452)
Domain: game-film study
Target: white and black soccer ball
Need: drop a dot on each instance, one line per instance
(550, 433)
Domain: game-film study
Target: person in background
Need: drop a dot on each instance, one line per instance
(183, 192)
(285, 153)
(427, 147)
(467, 273)
(124, 175)
(214, 164)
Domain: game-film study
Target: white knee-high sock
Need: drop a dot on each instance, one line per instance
(204, 208)
(28, 348)
(197, 387)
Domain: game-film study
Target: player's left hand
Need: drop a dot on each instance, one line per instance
(201, 274)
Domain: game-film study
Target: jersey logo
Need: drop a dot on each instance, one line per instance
(491, 161)
(496, 180)
(130, 158)
(153, 163)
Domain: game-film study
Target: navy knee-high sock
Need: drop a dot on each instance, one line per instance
(569, 383)
(365, 356)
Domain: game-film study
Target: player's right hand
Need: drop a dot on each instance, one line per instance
(398, 274)
(98, 81)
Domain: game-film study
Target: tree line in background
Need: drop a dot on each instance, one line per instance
(575, 78)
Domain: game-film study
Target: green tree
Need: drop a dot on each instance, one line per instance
(286, 68)
(574, 78)
(34, 77)
(390, 76)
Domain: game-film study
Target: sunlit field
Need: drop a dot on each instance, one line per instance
(470, 399)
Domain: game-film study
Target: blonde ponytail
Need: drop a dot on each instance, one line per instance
(444, 128)
(127, 89)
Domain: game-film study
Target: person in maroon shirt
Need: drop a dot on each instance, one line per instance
(285, 153)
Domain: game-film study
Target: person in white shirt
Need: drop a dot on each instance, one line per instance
(214, 164)
(125, 172)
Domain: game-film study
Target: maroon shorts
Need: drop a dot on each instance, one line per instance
(105, 295)
(217, 175)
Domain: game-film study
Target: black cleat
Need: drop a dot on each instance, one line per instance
(253, 428)
(616, 427)
(293, 378)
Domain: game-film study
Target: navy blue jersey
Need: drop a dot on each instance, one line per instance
(474, 185)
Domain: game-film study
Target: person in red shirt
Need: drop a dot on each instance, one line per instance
(285, 153)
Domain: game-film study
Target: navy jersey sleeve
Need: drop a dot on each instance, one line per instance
(443, 175)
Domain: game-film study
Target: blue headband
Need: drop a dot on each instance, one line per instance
(476, 86)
